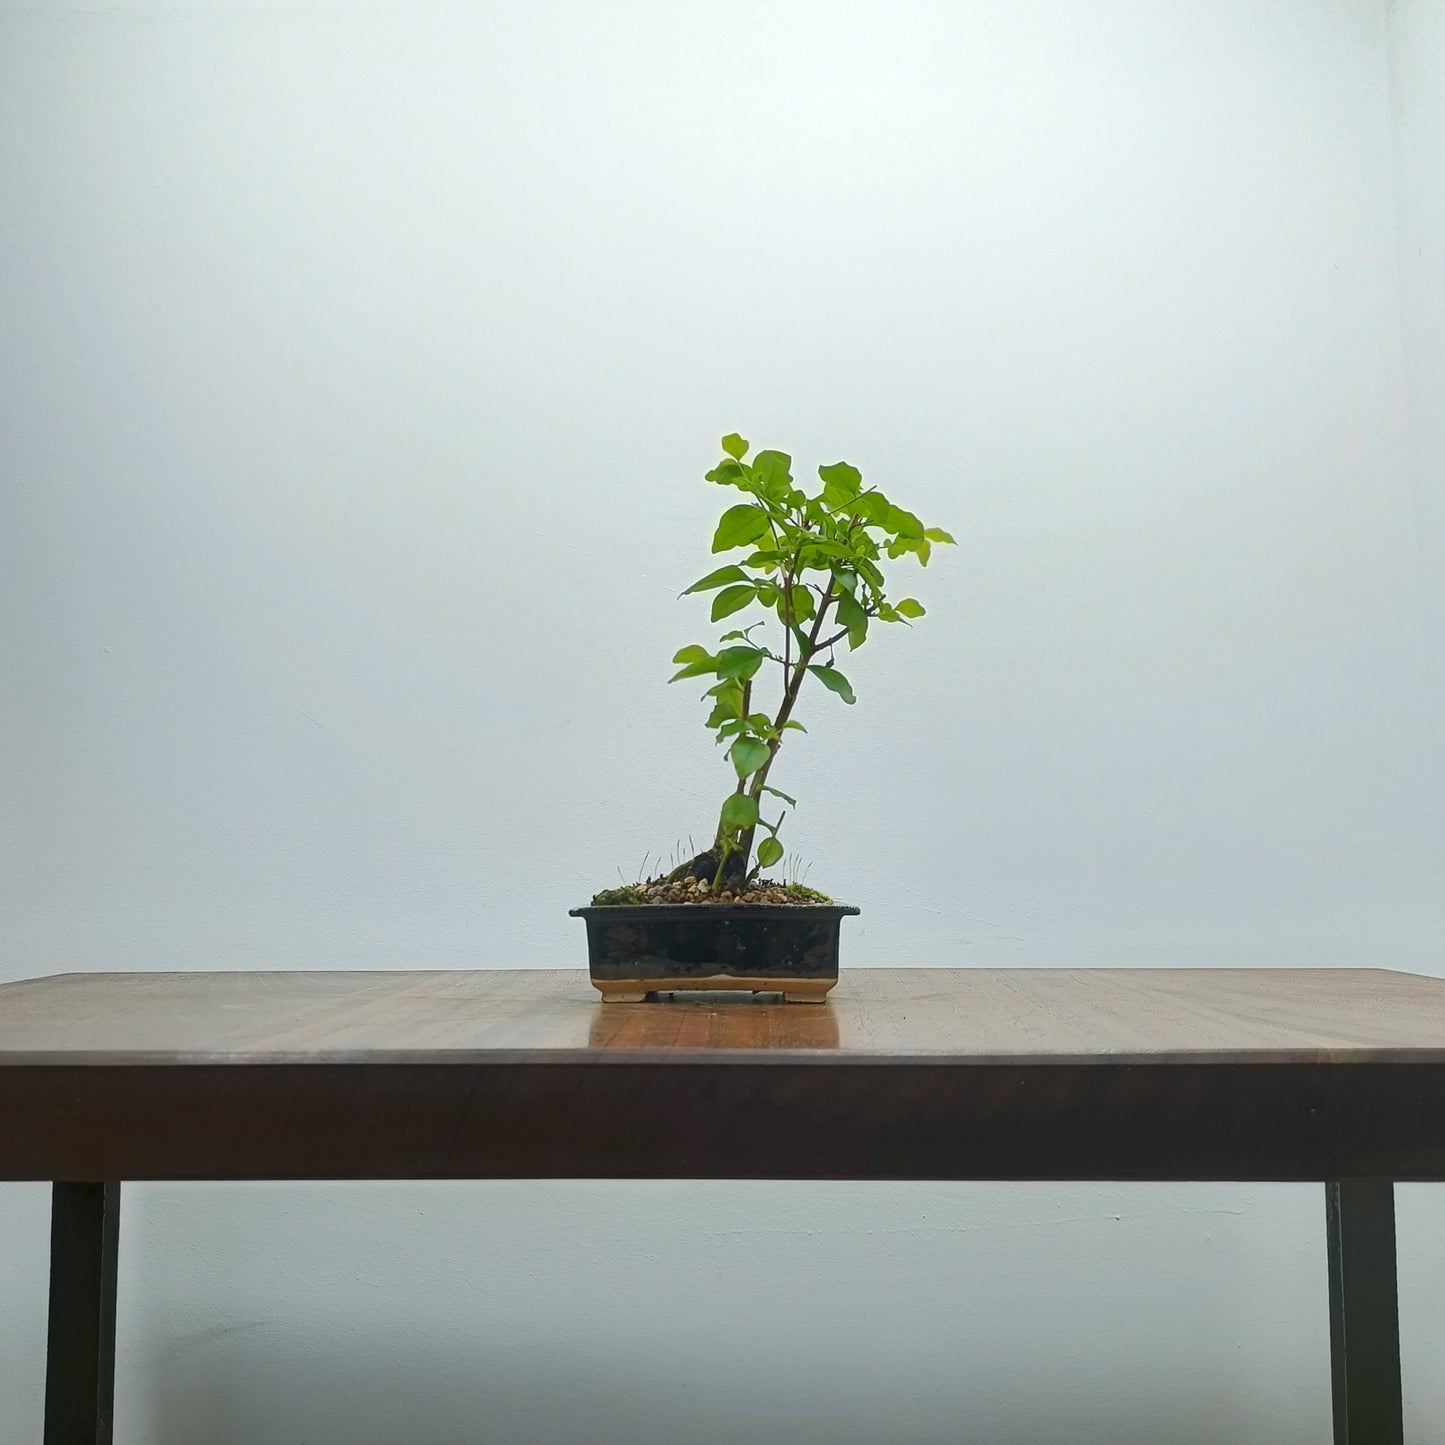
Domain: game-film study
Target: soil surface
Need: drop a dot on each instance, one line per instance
(700, 890)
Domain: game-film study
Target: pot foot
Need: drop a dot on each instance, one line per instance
(790, 990)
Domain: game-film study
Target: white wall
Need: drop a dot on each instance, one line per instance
(359, 367)
(1417, 72)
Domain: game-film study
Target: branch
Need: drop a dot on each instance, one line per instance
(787, 627)
(791, 696)
(842, 632)
(790, 580)
(747, 702)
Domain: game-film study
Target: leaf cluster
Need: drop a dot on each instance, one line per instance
(811, 579)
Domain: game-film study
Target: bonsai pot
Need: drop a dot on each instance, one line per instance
(637, 949)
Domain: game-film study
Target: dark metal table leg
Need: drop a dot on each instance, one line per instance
(1364, 1313)
(80, 1364)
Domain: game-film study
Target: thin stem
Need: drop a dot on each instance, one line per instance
(799, 672)
(790, 697)
(841, 633)
(787, 625)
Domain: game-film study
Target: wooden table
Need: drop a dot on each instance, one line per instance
(1329, 1075)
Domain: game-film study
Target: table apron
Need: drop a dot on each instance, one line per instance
(869, 1119)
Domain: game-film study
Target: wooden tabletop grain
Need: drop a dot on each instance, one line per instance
(922, 1073)
(1043, 1016)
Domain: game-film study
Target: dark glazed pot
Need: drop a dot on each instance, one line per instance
(637, 949)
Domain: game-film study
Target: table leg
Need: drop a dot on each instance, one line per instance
(1364, 1313)
(80, 1363)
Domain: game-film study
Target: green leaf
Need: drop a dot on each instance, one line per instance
(692, 653)
(720, 716)
(739, 662)
(732, 599)
(740, 811)
(773, 470)
(791, 724)
(925, 551)
(769, 851)
(847, 581)
(719, 578)
(748, 755)
(901, 522)
(728, 474)
(803, 607)
(738, 526)
(693, 669)
(937, 534)
(873, 507)
(729, 695)
(911, 607)
(840, 483)
(761, 724)
(778, 793)
(834, 681)
(735, 446)
(816, 550)
(853, 617)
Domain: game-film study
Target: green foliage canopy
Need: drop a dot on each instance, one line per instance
(812, 579)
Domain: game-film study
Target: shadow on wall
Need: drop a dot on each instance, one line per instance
(549, 1397)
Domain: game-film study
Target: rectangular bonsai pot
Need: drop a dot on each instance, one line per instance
(637, 949)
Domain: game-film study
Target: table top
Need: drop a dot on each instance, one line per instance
(968, 1016)
(923, 1073)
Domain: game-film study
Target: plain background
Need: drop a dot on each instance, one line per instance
(359, 369)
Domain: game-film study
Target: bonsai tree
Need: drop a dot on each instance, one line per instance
(811, 580)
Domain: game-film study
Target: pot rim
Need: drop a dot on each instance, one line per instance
(700, 910)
